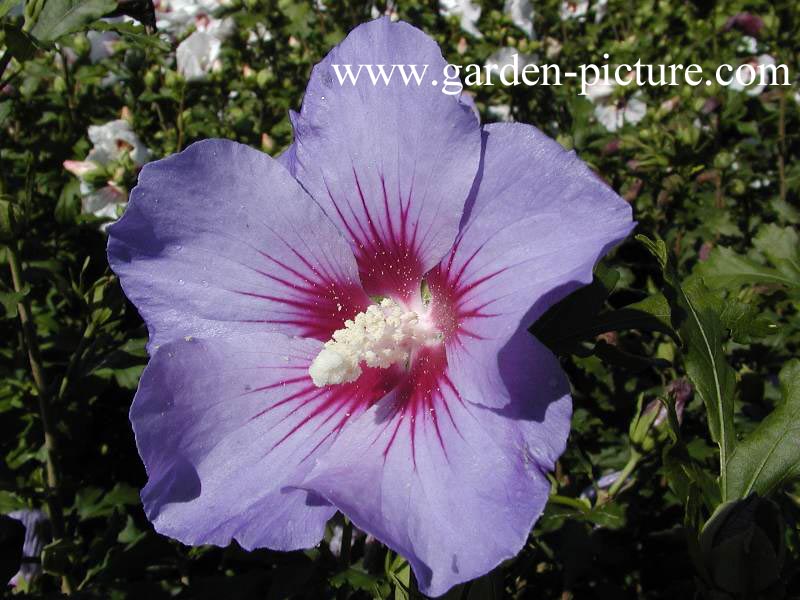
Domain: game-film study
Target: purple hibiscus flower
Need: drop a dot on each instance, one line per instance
(280, 389)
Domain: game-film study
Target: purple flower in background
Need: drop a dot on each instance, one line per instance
(280, 389)
(745, 22)
(37, 534)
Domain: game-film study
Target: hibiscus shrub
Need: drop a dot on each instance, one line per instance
(344, 401)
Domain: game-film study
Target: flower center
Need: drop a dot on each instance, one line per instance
(383, 335)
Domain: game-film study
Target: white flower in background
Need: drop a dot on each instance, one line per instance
(615, 113)
(510, 61)
(500, 112)
(110, 142)
(175, 16)
(552, 47)
(749, 81)
(627, 110)
(104, 202)
(198, 55)
(114, 138)
(466, 10)
(579, 9)
(574, 10)
(219, 28)
(259, 33)
(748, 45)
(600, 90)
(390, 11)
(521, 14)
(600, 10)
(101, 44)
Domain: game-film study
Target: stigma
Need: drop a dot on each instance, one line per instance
(385, 334)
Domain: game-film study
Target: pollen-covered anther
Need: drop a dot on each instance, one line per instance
(383, 335)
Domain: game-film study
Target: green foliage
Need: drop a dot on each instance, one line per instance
(769, 456)
(695, 316)
(774, 260)
(57, 18)
(706, 504)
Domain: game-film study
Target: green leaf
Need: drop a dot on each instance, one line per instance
(398, 571)
(90, 502)
(60, 17)
(133, 33)
(9, 502)
(360, 580)
(5, 111)
(18, 43)
(770, 456)
(59, 556)
(7, 220)
(744, 321)
(10, 301)
(727, 269)
(610, 515)
(651, 314)
(696, 318)
(781, 246)
(715, 381)
(777, 246)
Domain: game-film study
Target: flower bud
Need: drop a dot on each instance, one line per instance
(742, 547)
(649, 425)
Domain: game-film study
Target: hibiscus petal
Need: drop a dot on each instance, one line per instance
(221, 238)
(226, 425)
(452, 486)
(538, 223)
(392, 165)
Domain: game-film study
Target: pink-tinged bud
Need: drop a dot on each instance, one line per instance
(682, 391)
(670, 104)
(654, 415)
(710, 106)
(609, 337)
(116, 192)
(705, 251)
(462, 45)
(633, 165)
(709, 176)
(633, 191)
(202, 22)
(612, 147)
(79, 168)
(745, 22)
(267, 143)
